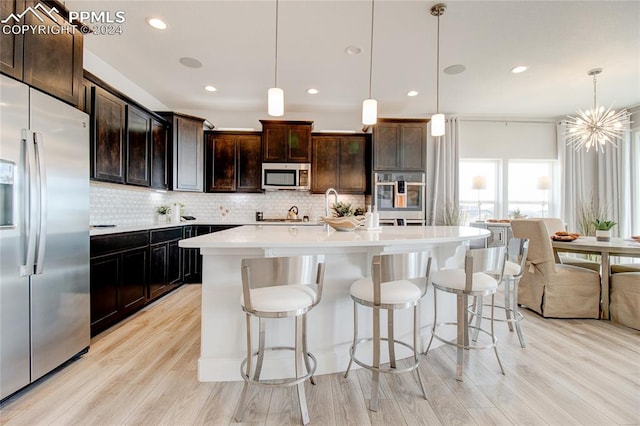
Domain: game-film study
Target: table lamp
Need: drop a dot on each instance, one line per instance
(544, 184)
(479, 183)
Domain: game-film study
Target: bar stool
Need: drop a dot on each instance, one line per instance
(280, 287)
(513, 270)
(470, 281)
(398, 281)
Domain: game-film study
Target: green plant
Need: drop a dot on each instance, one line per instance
(517, 213)
(342, 209)
(587, 213)
(162, 210)
(603, 225)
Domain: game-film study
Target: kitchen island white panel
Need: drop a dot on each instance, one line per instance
(348, 256)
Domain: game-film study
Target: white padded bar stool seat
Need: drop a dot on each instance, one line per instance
(278, 288)
(281, 298)
(398, 281)
(393, 292)
(472, 281)
(455, 279)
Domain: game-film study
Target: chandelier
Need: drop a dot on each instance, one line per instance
(598, 126)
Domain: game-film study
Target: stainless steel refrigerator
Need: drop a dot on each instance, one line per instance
(44, 234)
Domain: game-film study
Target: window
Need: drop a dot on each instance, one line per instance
(479, 204)
(526, 186)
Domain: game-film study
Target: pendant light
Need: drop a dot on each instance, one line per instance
(437, 120)
(370, 106)
(596, 127)
(275, 95)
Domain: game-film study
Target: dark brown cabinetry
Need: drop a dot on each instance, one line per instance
(138, 141)
(340, 162)
(186, 140)
(165, 264)
(232, 162)
(109, 129)
(286, 141)
(118, 277)
(191, 259)
(159, 154)
(51, 60)
(400, 144)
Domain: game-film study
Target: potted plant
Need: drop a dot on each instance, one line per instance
(516, 214)
(163, 212)
(603, 229)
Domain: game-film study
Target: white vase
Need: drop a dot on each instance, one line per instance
(603, 235)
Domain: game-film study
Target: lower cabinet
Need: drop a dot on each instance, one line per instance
(191, 259)
(165, 265)
(118, 277)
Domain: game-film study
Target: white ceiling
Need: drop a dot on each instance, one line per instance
(559, 41)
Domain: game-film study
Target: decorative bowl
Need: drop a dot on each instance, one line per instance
(345, 223)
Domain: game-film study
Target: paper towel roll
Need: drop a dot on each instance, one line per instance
(175, 213)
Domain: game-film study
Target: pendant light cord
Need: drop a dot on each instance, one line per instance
(438, 67)
(275, 83)
(371, 49)
(595, 105)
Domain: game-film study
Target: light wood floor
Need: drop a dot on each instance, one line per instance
(143, 371)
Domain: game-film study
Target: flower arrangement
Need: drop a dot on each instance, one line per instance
(163, 210)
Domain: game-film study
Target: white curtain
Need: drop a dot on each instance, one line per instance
(603, 177)
(442, 173)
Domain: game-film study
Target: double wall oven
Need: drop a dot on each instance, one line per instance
(400, 197)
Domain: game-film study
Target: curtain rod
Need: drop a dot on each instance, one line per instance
(493, 120)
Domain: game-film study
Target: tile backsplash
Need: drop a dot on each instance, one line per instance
(128, 205)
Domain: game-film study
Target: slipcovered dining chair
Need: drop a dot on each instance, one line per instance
(555, 224)
(551, 289)
(625, 298)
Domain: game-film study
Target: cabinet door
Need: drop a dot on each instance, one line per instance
(325, 165)
(353, 168)
(174, 266)
(158, 258)
(188, 256)
(249, 163)
(133, 290)
(11, 45)
(108, 136)
(412, 147)
(188, 161)
(274, 142)
(105, 275)
(221, 163)
(138, 139)
(299, 143)
(53, 60)
(386, 145)
(158, 154)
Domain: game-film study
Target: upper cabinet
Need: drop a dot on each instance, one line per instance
(186, 139)
(340, 162)
(129, 144)
(400, 144)
(232, 161)
(108, 138)
(286, 141)
(50, 60)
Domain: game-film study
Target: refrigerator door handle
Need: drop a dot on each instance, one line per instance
(30, 203)
(42, 193)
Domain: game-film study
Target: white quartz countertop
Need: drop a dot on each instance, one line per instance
(132, 228)
(259, 236)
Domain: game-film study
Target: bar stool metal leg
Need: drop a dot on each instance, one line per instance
(516, 313)
(373, 403)
(462, 334)
(305, 350)
(507, 303)
(300, 337)
(416, 355)
(392, 350)
(239, 414)
(261, 336)
(493, 335)
(355, 339)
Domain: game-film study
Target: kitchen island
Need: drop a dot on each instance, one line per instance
(348, 258)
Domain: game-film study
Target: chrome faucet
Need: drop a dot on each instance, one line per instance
(326, 199)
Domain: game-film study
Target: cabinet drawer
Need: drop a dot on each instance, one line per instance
(103, 244)
(163, 235)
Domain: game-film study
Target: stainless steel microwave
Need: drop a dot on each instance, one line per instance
(292, 176)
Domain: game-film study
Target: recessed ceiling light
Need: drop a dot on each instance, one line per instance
(157, 23)
(519, 69)
(352, 50)
(210, 88)
(190, 62)
(312, 91)
(454, 69)
(412, 93)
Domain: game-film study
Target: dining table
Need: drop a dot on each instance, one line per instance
(605, 249)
